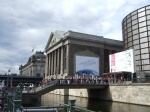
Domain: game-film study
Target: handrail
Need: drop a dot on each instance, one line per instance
(59, 82)
(82, 110)
(67, 106)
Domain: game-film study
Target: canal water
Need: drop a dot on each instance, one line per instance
(91, 104)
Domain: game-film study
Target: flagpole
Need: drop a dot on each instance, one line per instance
(32, 50)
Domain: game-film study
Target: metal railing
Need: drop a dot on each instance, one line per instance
(103, 81)
(12, 102)
(70, 107)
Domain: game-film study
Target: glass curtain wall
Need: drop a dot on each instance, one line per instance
(136, 35)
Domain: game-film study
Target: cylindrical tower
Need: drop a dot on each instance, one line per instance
(136, 35)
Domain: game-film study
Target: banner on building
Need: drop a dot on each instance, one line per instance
(122, 61)
(87, 66)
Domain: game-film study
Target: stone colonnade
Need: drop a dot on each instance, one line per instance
(56, 61)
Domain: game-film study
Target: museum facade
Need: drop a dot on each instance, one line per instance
(67, 51)
(35, 65)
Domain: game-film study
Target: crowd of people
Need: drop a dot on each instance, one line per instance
(83, 80)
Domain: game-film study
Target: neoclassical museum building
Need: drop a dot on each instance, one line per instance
(67, 53)
(136, 35)
(35, 66)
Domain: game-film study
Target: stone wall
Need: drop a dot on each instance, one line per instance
(132, 93)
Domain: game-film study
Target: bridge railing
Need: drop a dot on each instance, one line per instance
(64, 82)
(87, 82)
(40, 87)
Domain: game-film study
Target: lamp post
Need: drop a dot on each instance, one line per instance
(8, 77)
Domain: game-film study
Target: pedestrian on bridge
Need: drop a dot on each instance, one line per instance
(68, 80)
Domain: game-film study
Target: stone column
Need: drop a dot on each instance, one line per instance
(67, 59)
(58, 61)
(49, 73)
(54, 62)
(32, 70)
(47, 65)
(62, 61)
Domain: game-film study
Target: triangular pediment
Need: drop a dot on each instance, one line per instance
(54, 38)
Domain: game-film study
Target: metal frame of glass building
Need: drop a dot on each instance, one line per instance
(136, 35)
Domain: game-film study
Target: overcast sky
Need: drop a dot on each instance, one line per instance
(25, 24)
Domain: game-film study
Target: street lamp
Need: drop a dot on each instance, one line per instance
(8, 77)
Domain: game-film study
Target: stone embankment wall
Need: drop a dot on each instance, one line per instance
(133, 93)
(127, 93)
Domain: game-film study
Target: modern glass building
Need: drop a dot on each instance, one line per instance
(136, 35)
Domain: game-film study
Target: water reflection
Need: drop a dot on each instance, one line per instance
(92, 104)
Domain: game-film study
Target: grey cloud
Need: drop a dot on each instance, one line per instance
(25, 24)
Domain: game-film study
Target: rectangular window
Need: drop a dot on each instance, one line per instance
(135, 37)
(142, 19)
(128, 16)
(141, 14)
(145, 67)
(129, 34)
(143, 34)
(142, 40)
(136, 42)
(146, 61)
(148, 17)
(144, 56)
(135, 31)
(129, 20)
(148, 12)
(149, 33)
(134, 22)
(144, 50)
(130, 44)
(148, 22)
(134, 17)
(129, 25)
(142, 9)
(137, 47)
(129, 39)
(133, 13)
(142, 24)
(137, 52)
(143, 29)
(129, 29)
(137, 57)
(134, 27)
(149, 28)
(144, 45)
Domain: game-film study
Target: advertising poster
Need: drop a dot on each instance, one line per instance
(122, 61)
(87, 66)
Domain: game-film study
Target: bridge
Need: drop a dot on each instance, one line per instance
(45, 88)
(20, 79)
